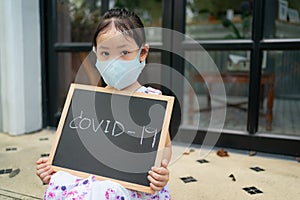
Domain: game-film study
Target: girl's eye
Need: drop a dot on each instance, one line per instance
(124, 53)
(104, 53)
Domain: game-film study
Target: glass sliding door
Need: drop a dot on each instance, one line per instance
(211, 23)
(253, 45)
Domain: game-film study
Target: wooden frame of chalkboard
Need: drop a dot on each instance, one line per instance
(93, 137)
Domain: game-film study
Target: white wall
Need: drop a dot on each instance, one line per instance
(20, 67)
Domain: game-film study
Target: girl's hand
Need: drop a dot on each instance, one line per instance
(159, 176)
(43, 170)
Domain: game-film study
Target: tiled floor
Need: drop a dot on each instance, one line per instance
(238, 176)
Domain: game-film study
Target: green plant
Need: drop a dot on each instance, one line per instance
(246, 24)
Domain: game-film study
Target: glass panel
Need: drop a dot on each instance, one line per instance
(282, 19)
(150, 13)
(198, 100)
(207, 19)
(77, 19)
(76, 67)
(280, 102)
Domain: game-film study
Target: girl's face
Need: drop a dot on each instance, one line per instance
(112, 44)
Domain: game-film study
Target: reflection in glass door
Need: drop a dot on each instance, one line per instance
(212, 21)
(231, 19)
(233, 69)
(281, 103)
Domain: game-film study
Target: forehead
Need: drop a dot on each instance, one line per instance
(113, 38)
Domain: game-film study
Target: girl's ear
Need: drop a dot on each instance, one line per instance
(144, 53)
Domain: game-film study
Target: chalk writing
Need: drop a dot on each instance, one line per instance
(114, 128)
(149, 130)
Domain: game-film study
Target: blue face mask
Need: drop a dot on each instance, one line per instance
(120, 73)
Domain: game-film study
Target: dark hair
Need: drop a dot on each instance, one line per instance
(127, 22)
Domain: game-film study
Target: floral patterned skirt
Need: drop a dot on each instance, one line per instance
(64, 186)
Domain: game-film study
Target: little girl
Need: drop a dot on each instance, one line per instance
(120, 45)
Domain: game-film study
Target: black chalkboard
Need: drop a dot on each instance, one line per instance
(112, 134)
